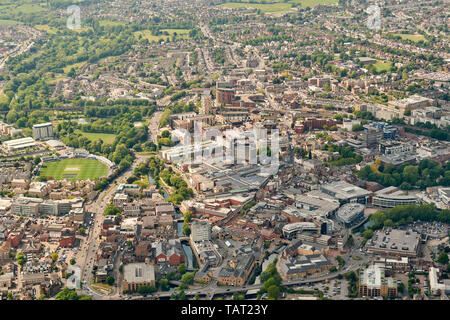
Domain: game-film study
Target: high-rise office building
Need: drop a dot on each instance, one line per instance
(43, 131)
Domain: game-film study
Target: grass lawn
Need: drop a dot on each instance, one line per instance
(29, 8)
(382, 65)
(111, 23)
(76, 66)
(184, 33)
(55, 78)
(106, 137)
(412, 37)
(74, 169)
(46, 28)
(278, 6)
(146, 34)
(264, 7)
(8, 22)
(313, 3)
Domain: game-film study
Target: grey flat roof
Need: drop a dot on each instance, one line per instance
(343, 190)
(138, 272)
(396, 240)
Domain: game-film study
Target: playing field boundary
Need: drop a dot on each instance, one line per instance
(64, 169)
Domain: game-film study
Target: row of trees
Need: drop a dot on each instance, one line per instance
(272, 281)
(405, 214)
(425, 174)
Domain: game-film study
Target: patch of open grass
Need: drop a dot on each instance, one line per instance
(76, 66)
(166, 33)
(276, 6)
(412, 37)
(313, 3)
(281, 7)
(111, 23)
(28, 8)
(382, 65)
(8, 22)
(107, 138)
(46, 28)
(74, 169)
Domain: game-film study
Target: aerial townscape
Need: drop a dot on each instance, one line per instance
(224, 150)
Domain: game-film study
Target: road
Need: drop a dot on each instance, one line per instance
(212, 289)
(90, 246)
(153, 126)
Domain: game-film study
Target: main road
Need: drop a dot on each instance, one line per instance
(90, 246)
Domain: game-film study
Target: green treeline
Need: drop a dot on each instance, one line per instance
(407, 176)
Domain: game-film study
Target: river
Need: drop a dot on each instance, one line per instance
(152, 182)
(187, 249)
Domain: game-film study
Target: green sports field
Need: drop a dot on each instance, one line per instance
(74, 169)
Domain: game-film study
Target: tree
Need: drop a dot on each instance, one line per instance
(70, 294)
(401, 287)
(187, 278)
(350, 241)
(273, 292)
(238, 296)
(111, 210)
(388, 223)
(186, 229)
(367, 234)
(171, 275)
(20, 259)
(178, 294)
(182, 268)
(54, 257)
(165, 134)
(82, 231)
(164, 284)
(188, 216)
(72, 261)
(71, 73)
(443, 258)
(110, 280)
(146, 289)
(341, 261)
(411, 174)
